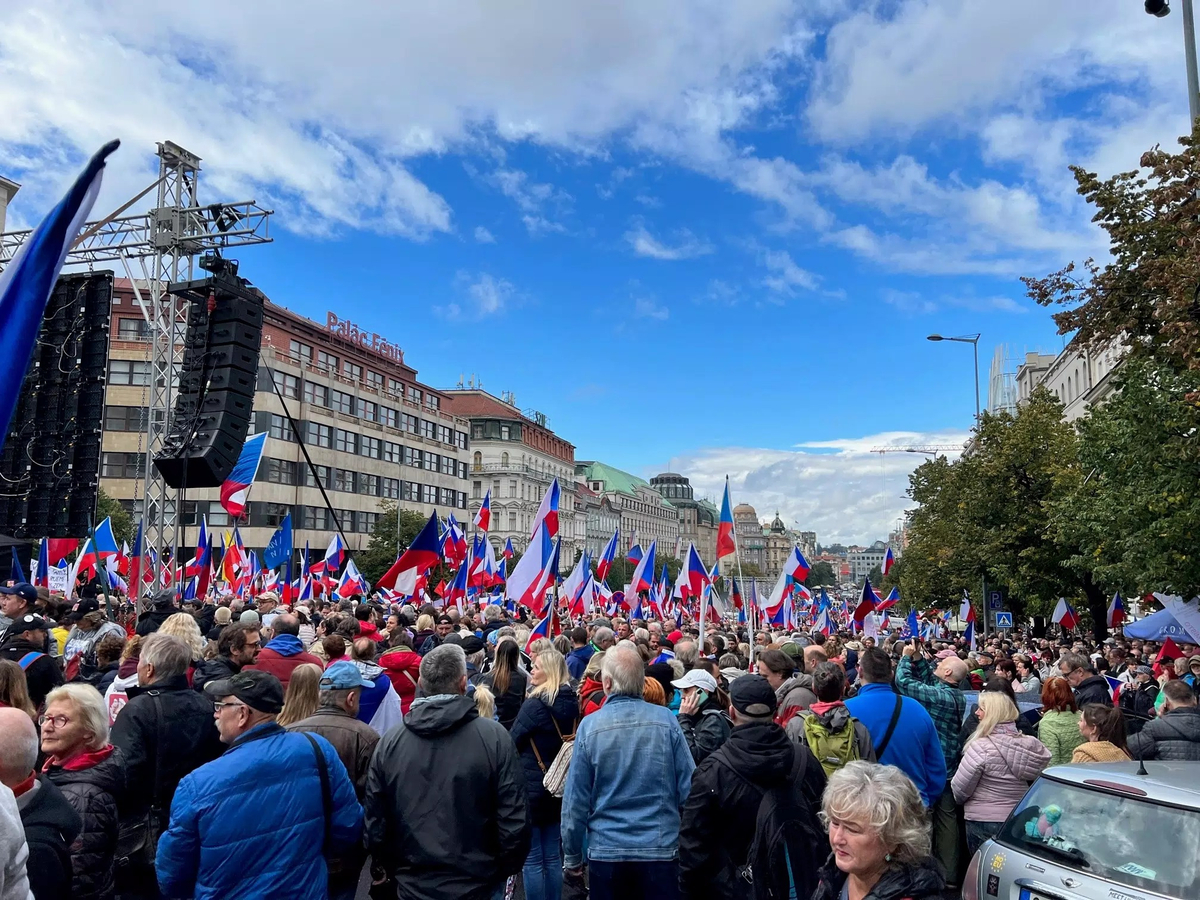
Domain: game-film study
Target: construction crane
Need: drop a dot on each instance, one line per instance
(170, 235)
(932, 450)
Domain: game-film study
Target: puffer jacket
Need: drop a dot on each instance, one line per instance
(996, 771)
(792, 697)
(1059, 731)
(706, 729)
(213, 670)
(282, 656)
(51, 826)
(535, 727)
(403, 668)
(93, 784)
(1174, 735)
(249, 824)
(898, 882)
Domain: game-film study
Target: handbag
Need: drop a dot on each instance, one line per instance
(554, 778)
(137, 839)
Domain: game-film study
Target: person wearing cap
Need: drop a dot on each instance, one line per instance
(1137, 698)
(336, 720)
(90, 625)
(254, 821)
(705, 724)
(443, 625)
(16, 600)
(1192, 678)
(721, 810)
(447, 813)
(164, 607)
(25, 644)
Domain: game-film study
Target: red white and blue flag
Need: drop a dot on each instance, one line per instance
(1116, 611)
(352, 582)
(966, 613)
(422, 555)
(483, 518)
(547, 512)
(643, 574)
(606, 558)
(235, 492)
(866, 603)
(1064, 615)
(888, 602)
(888, 561)
(508, 552)
(726, 541)
(693, 576)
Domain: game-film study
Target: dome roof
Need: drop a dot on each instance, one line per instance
(777, 525)
(744, 509)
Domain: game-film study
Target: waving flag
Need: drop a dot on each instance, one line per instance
(1116, 611)
(888, 561)
(421, 556)
(548, 511)
(454, 542)
(573, 584)
(966, 613)
(27, 282)
(693, 576)
(643, 574)
(104, 541)
(866, 603)
(483, 518)
(41, 575)
(279, 548)
(607, 557)
(892, 599)
(334, 554)
(726, 541)
(508, 552)
(1064, 615)
(546, 627)
(913, 624)
(735, 593)
(235, 491)
(531, 576)
(15, 571)
(635, 549)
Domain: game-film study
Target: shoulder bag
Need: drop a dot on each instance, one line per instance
(137, 839)
(554, 778)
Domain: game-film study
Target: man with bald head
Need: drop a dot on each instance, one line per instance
(50, 824)
(936, 689)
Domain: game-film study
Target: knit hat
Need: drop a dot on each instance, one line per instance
(223, 615)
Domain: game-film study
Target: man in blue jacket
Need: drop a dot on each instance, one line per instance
(264, 792)
(901, 730)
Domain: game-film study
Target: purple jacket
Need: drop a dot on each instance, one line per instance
(996, 771)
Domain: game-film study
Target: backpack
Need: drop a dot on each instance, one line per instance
(787, 848)
(833, 749)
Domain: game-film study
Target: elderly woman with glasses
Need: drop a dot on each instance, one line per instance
(88, 770)
(880, 837)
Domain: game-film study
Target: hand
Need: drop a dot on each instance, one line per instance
(690, 704)
(909, 650)
(575, 874)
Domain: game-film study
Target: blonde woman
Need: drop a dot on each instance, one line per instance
(998, 764)
(183, 626)
(549, 714)
(485, 702)
(303, 695)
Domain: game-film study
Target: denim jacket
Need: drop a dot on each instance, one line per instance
(630, 772)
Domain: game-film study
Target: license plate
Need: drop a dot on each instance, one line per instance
(1027, 894)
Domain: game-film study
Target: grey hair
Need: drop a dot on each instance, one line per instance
(603, 638)
(443, 669)
(491, 613)
(89, 705)
(169, 655)
(688, 653)
(335, 699)
(886, 801)
(1076, 661)
(624, 671)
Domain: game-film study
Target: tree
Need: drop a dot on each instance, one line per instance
(387, 541)
(1147, 296)
(820, 574)
(122, 522)
(875, 576)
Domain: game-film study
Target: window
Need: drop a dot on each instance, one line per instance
(370, 411)
(477, 432)
(392, 453)
(133, 330)
(505, 432)
(395, 387)
(317, 394)
(428, 430)
(389, 488)
(414, 395)
(512, 521)
(504, 459)
(460, 438)
(128, 371)
(477, 489)
(370, 447)
(312, 517)
(301, 352)
(320, 435)
(462, 470)
(289, 385)
(462, 499)
(352, 371)
(411, 492)
(343, 480)
(449, 497)
(431, 462)
(125, 418)
(412, 424)
(477, 460)
(322, 473)
(278, 471)
(346, 441)
(512, 488)
(327, 361)
(445, 435)
(430, 493)
(389, 417)
(369, 485)
(281, 429)
(342, 402)
(375, 380)
(121, 465)
(412, 457)
(433, 402)
(267, 515)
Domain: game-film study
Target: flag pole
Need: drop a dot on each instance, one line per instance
(750, 611)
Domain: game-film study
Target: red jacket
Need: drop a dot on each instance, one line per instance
(399, 666)
(281, 656)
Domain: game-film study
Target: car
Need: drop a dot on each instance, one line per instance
(1098, 831)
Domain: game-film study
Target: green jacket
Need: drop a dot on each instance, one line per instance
(1059, 731)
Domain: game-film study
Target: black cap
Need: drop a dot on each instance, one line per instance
(28, 622)
(260, 691)
(471, 644)
(752, 695)
(444, 620)
(22, 589)
(83, 607)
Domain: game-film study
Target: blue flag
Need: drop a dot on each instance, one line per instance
(279, 548)
(914, 627)
(26, 284)
(16, 573)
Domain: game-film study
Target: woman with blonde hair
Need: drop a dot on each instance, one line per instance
(485, 702)
(303, 694)
(183, 626)
(547, 717)
(880, 838)
(998, 764)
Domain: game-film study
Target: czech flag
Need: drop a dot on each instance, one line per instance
(735, 593)
(1116, 611)
(41, 576)
(635, 549)
(236, 489)
(1064, 615)
(607, 557)
(966, 613)
(866, 604)
(546, 627)
(508, 552)
(888, 561)
(422, 555)
(483, 518)
(693, 576)
(643, 575)
(548, 511)
(726, 542)
(334, 554)
(891, 600)
(203, 552)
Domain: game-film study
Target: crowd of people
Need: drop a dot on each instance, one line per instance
(243, 749)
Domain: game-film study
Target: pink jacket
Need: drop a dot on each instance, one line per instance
(996, 771)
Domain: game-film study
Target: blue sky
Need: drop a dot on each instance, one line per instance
(695, 234)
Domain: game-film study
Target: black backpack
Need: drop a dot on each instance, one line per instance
(788, 846)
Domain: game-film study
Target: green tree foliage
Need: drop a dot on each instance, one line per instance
(386, 540)
(122, 522)
(820, 574)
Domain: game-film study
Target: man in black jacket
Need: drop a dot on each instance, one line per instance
(164, 608)
(238, 646)
(164, 732)
(50, 824)
(1174, 735)
(1081, 675)
(24, 644)
(472, 794)
(718, 819)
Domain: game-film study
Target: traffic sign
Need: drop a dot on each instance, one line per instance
(1004, 620)
(995, 600)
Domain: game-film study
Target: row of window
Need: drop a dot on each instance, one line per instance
(271, 515)
(329, 362)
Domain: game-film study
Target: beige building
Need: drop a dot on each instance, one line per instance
(1078, 377)
(643, 510)
(698, 519)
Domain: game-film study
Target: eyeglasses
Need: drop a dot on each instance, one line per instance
(220, 704)
(56, 721)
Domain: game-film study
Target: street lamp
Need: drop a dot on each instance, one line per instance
(973, 340)
(1160, 8)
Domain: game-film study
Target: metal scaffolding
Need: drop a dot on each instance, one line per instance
(170, 236)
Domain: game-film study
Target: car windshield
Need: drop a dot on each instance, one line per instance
(1123, 838)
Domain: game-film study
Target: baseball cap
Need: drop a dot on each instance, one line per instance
(675, 636)
(1143, 670)
(697, 678)
(83, 608)
(471, 644)
(22, 589)
(945, 654)
(343, 675)
(28, 622)
(444, 620)
(261, 691)
(752, 695)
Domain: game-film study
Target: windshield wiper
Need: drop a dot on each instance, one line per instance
(1073, 854)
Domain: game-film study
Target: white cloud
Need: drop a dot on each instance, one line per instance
(686, 246)
(838, 488)
(649, 308)
(483, 236)
(488, 295)
(785, 276)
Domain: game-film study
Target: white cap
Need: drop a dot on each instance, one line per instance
(697, 678)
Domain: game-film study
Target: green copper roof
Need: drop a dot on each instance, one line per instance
(614, 479)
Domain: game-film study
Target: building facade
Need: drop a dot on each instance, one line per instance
(863, 559)
(516, 457)
(601, 519)
(698, 519)
(643, 510)
(374, 432)
(1078, 377)
(752, 545)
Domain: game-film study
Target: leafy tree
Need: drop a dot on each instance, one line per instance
(387, 540)
(820, 574)
(875, 576)
(122, 522)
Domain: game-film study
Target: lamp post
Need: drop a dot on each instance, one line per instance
(1162, 8)
(973, 340)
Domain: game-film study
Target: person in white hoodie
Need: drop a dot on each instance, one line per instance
(14, 880)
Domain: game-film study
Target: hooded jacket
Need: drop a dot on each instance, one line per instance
(477, 804)
(535, 727)
(93, 783)
(898, 882)
(1174, 735)
(706, 729)
(150, 622)
(213, 670)
(282, 656)
(591, 696)
(117, 694)
(51, 826)
(996, 771)
(403, 668)
(793, 696)
(719, 814)
(834, 717)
